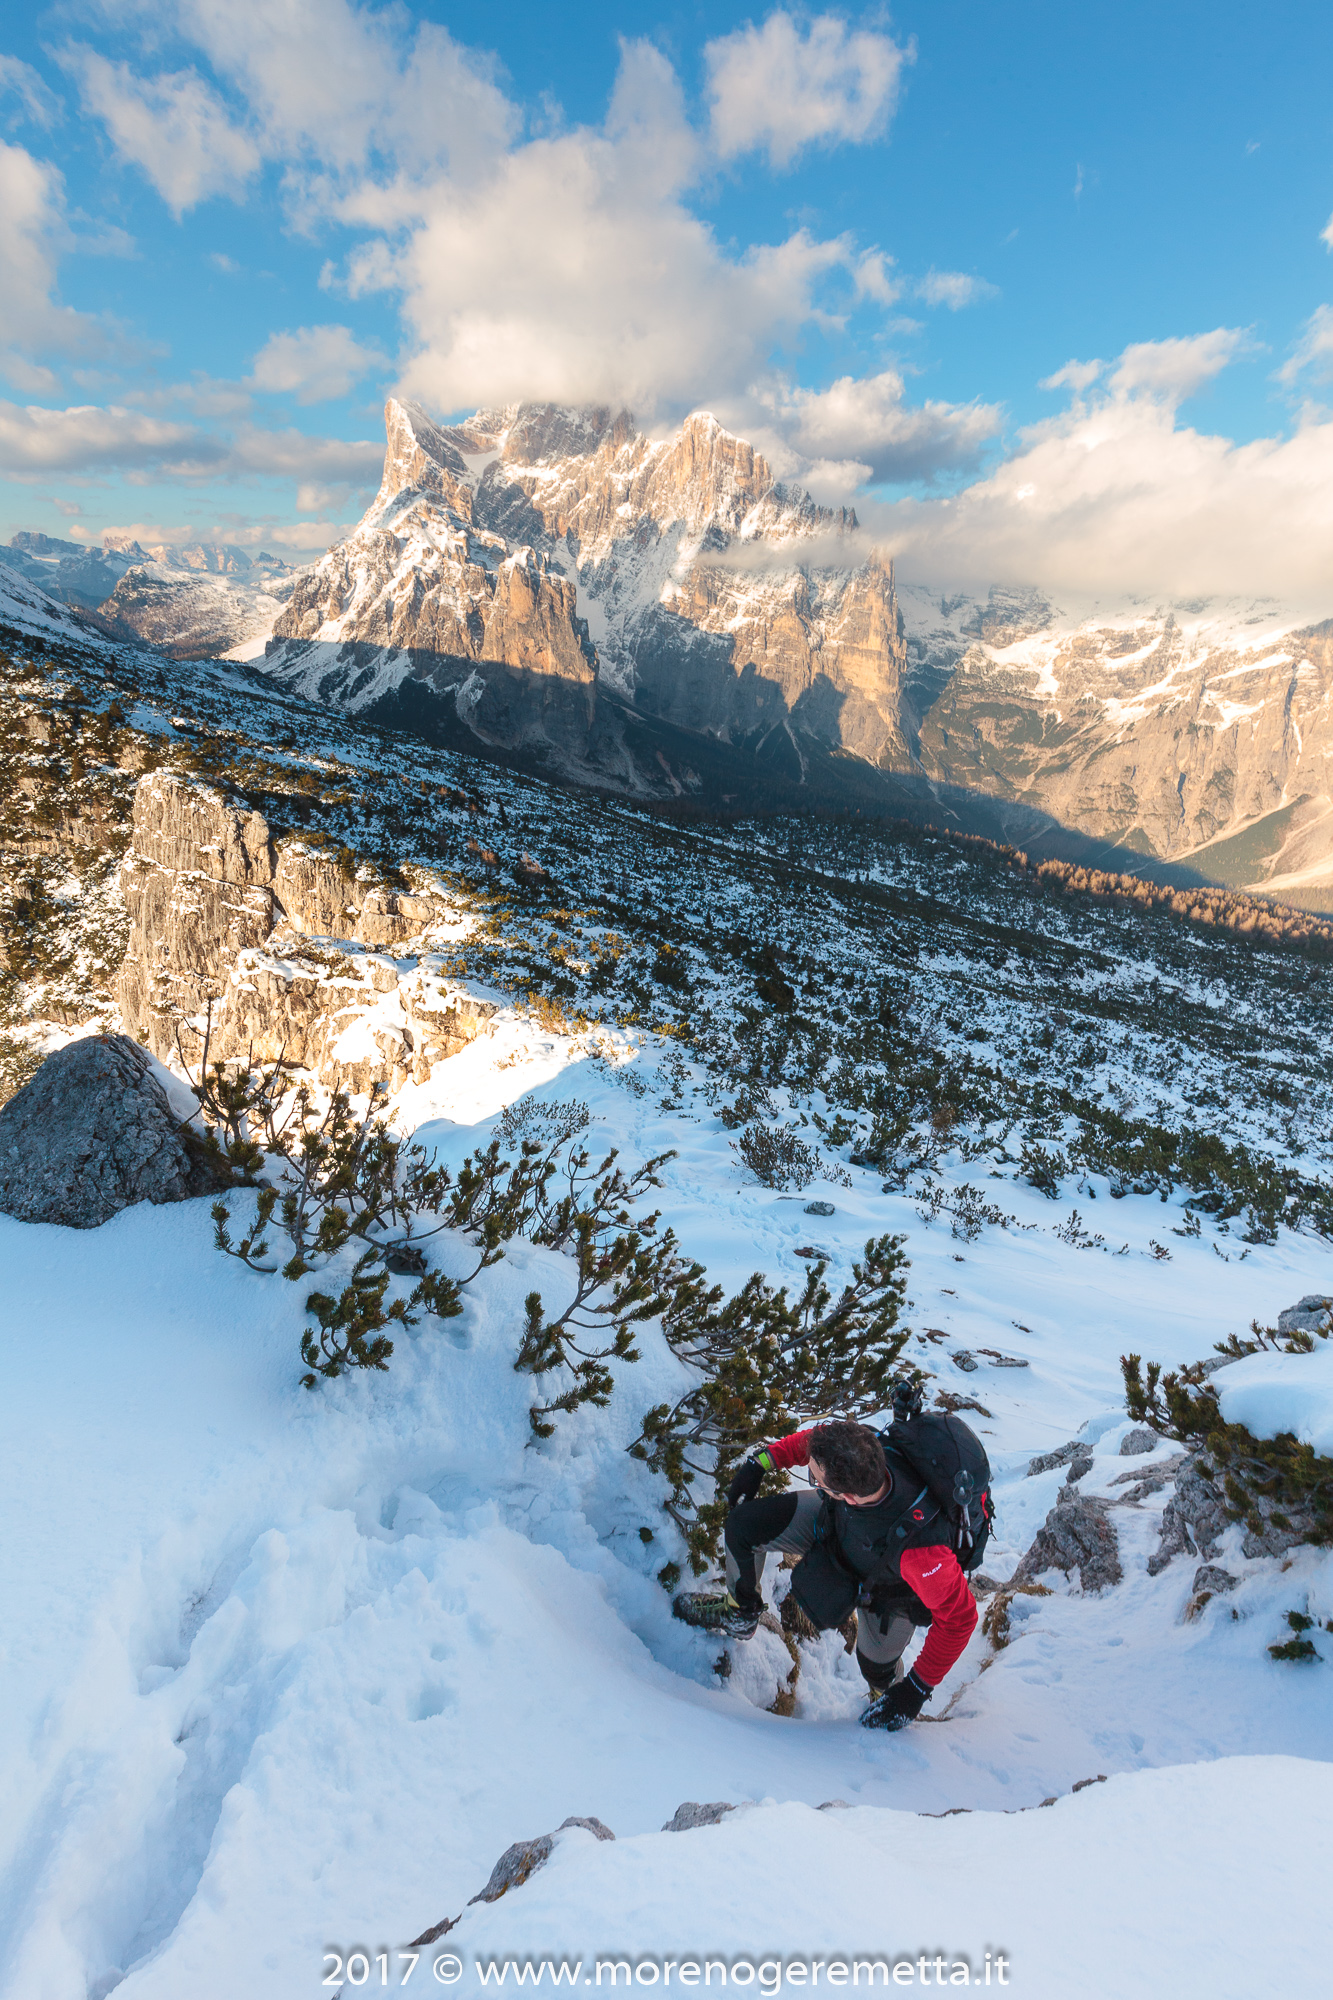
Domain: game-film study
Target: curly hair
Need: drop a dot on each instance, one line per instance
(850, 1456)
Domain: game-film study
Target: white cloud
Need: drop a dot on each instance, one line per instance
(953, 289)
(1116, 497)
(299, 538)
(777, 90)
(861, 430)
(574, 271)
(97, 438)
(874, 280)
(173, 126)
(1326, 233)
(314, 363)
(569, 266)
(293, 454)
(32, 229)
(327, 83)
(19, 79)
(1075, 375)
(1170, 371)
(1313, 352)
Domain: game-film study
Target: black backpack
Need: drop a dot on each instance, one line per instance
(949, 1458)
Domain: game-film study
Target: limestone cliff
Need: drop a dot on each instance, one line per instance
(271, 946)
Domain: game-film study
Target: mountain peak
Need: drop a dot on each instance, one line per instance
(421, 457)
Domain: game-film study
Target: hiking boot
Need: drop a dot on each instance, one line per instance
(717, 1611)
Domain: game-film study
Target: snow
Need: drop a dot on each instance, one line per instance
(1272, 1393)
(788, 1884)
(286, 1672)
(29, 609)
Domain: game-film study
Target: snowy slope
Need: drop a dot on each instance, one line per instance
(28, 608)
(286, 1673)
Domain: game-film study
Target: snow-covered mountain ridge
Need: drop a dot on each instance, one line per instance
(1196, 734)
(195, 602)
(662, 616)
(677, 576)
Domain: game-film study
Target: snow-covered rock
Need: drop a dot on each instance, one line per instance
(1272, 1393)
(1077, 1534)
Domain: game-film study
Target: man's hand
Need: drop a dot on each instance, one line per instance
(745, 1483)
(900, 1705)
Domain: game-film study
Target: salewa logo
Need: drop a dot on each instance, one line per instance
(932, 1572)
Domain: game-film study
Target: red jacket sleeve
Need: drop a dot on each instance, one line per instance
(937, 1580)
(789, 1451)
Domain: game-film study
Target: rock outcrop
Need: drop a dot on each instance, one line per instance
(1197, 1516)
(525, 1857)
(687, 1817)
(1076, 1535)
(270, 945)
(1076, 1452)
(1138, 1441)
(93, 1132)
(1194, 1519)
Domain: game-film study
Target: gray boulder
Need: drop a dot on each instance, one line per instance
(1065, 1454)
(1134, 1443)
(92, 1133)
(1076, 1535)
(1209, 1582)
(691, 1815)
(1312, 1314)
(1209, 1577)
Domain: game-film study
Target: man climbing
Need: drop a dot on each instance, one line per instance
(872, 1538)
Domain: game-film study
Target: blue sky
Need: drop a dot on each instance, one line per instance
(864, 238)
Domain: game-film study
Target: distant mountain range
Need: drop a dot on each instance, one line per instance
(194, 603)
(662, 617)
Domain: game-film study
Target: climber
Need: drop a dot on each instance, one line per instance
(874, 1541)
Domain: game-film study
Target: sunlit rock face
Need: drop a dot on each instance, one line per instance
(521, 563)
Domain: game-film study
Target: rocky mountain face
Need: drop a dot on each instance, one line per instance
(194, 603)
(544, 571)
(1196, 736)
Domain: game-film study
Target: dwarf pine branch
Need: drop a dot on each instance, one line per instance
(761, 1357)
